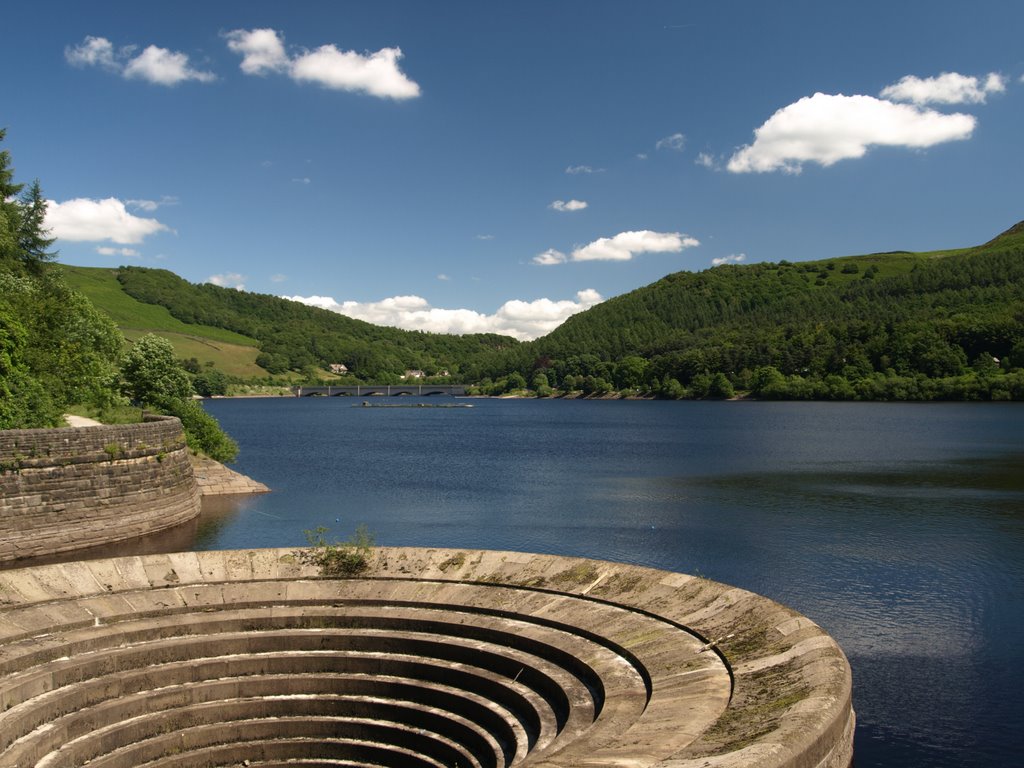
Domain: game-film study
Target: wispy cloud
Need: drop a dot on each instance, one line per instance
(228, 280)
(549, 258)
(706, 160)
(278, 278)
(521, 319)
(676, 142)
(149, 206)
(825, 129)
(577, 169)
(302, 180)
(568, 206)
(947, 88)
(128, 253)
(443, 277)
(154, 65)
(377, 74)
(86, 220)
(485, 237)
(734, 258)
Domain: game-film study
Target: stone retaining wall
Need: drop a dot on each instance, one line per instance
(72, 488)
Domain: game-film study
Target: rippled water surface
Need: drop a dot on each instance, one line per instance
(899, 528)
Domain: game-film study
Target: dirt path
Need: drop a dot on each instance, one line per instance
(80, 421)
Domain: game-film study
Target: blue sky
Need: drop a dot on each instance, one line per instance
(471, 166)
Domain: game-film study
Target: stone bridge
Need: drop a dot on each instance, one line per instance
(389, 390)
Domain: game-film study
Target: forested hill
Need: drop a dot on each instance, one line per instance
(898, 325)
(853, 321)
(293, 336)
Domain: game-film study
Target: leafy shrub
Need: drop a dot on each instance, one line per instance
(341, 558)
(151, 374)
(209, 383)
(202, 432)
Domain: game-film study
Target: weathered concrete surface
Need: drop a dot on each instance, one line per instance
(430, 657)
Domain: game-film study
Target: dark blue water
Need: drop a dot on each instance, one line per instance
(899, 528)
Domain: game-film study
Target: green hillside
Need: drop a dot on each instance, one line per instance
(858, 326)
(252, 335)
(940, 325)
(230, 352)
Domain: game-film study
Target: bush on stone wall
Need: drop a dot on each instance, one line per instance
(202, 431)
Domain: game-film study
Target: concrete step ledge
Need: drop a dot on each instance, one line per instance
(430, 657)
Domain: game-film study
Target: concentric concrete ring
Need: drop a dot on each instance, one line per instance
(429, 658)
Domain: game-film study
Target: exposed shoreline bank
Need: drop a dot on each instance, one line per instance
(216, 479)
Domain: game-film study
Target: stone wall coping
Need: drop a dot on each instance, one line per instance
(41, 447)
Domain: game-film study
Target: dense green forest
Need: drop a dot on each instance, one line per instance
(56, 348)
(58, 351)
(295, 337)
(945, 325)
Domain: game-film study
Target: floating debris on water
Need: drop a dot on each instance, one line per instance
(365, 404)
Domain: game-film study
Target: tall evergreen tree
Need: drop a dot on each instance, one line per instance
(10, 209)
(33, 243)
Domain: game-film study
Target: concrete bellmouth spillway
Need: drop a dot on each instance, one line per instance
(429, 657)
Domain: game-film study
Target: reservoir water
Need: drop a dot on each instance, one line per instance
(897, 527)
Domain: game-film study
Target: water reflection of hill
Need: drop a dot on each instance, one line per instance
(217, 512)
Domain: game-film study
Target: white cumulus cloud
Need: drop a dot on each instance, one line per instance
(83, 219)
(625, 245)
(947, 88)
(155, 65)
(92, 52)
(675, 142)
(262, 50)
(164, 67)
(570, 205)
(734, 258)
(228, 280)
(825, 129)
(376, 73)
(523, 320)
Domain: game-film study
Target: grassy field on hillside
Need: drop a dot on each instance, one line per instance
(231, 353)
(232, 359)
(100, 285)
